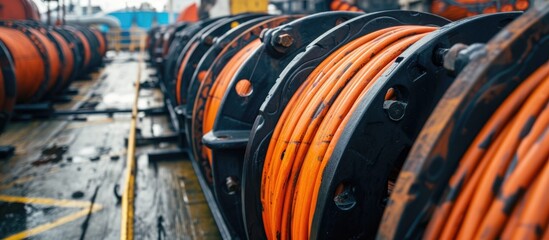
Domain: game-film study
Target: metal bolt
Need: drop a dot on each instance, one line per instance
(345, 200)
(232, 185)
(285, 40)
(209, 40)
(395, 109)
(448, 57)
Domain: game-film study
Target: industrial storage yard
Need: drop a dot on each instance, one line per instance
(282, 119)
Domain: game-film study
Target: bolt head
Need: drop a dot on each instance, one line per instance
(395, 109)
(285, 40)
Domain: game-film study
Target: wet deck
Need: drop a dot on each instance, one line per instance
(64, 180)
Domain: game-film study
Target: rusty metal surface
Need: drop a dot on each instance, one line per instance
(505, 61)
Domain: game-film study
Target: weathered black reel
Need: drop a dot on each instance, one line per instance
(225, 54)
(237, 113)
(201, 43)
(9, 86)
(96, 58)
(490, 73)
(379, 136)
(151, 43)
(211, 55)
(377, 131)
(44, 30)
(183, 37)
(219, 44)
(78, 46)
(156, 44)
(230, 209)
(177, 42)
(76, 49)
(288, 82)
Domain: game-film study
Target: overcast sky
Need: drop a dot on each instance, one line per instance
(111, 5)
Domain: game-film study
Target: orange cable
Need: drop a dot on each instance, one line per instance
(308, 129)
(497, 197)
(219, 88)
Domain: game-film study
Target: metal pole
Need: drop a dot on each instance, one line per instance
(89, 7)
(170, 11)
(64, 12)
(48, 13)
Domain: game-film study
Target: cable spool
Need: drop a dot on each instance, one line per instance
(86, 47)
(171, 71)
(340, 79)
(316, 52)
(7, 86)
(64, 66)
(50, 49)
(219, 43)
(102, 50)
(19, 10)
(199, 45)
(219, 87)
(260, 71)
(77, 48)
(227, 48)
(201, 82)
(176, 46)
(455, 10)
(32, 60)
(151, 43)
(156, 46)
(342, 5)
(94, 42)
(67, 60)
(351, 193)
(496, 97)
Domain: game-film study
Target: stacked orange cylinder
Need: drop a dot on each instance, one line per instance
(40, 61)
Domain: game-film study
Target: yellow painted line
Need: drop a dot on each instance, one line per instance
(48, 226)
(51, 202)
(18, 181)
(45, 201)
(128, 198)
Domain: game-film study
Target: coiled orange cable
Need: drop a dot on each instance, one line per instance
(219, 88)
(341, 5)
(312, 122)
(180, 72)
(504, 174)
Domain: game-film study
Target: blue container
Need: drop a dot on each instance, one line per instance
(143, 19)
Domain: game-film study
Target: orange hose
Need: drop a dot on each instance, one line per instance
(312, 122)
(496, 175)
(219, 88)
